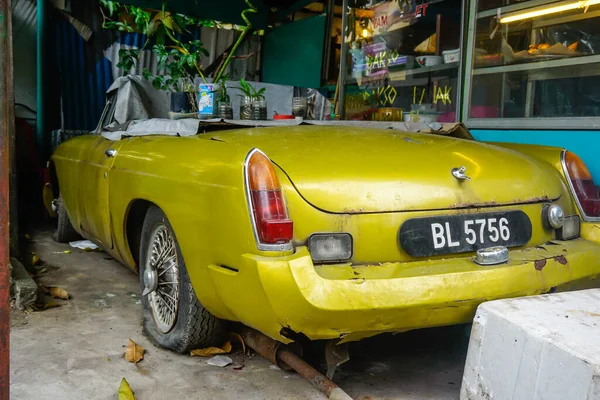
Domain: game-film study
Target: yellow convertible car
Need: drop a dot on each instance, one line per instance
(330, 232)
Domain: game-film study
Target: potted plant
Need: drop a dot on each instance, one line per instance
(178, 63)
(177, 67)
(253, 104)
(225, 111)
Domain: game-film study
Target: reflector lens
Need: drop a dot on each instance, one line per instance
(272, 223)
(328, 247)
(570, 228)
(583, 185)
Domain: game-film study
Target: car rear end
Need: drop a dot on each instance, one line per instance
(329, 272)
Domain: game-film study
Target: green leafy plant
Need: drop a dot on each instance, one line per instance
(250, 91)
(223, 95)
(178, 65)
(247, 28)
(178, 62)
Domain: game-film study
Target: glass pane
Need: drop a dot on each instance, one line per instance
(403, 61)
(484, 5)
(490, 4)
(530, 65)
(536, 94)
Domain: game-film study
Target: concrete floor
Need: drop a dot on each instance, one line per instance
(76, 351)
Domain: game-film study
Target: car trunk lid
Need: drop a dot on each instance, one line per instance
(358, 170)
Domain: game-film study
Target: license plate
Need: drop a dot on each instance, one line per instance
(422, 237)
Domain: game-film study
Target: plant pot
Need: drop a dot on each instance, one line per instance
(225, 110)
(180, 103)
(246, 107)
(299, 106)
(259, 109)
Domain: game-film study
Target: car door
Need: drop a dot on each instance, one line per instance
(95, 174)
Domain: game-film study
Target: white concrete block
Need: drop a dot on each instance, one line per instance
(533, 348)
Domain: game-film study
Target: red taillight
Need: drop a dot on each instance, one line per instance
(273, 225)
(583, 185)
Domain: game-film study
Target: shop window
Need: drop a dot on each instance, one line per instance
(403, 61)
(534, 64)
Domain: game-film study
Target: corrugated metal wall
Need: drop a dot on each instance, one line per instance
(83, 86)
(24, 43)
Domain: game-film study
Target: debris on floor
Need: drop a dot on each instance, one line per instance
(211, 351)
(134, 352)
(43, 364)
(58, 292)
(125, 392)
(220, 361)
(83, 245)
(100, 303)
(42, 304)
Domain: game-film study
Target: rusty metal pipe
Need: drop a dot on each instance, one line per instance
(282, 356)
(317, 379)
(262, 344)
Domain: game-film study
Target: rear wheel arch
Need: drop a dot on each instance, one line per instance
(134, 222)
(54, 180)
(193, 326)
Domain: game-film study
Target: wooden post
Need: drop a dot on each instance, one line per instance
(7, 124)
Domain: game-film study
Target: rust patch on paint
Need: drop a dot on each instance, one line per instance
(539, 264)
(561, 259)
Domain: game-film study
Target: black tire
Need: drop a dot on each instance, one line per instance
(194, 326)
(64, 229)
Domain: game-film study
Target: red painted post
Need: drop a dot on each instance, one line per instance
(6, 129)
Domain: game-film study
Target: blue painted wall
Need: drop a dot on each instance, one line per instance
(586, 144)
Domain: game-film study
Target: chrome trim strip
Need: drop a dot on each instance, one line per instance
(578, 123)
(566, 172)
(259, 245)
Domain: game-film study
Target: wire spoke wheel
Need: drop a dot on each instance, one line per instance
(162, 270)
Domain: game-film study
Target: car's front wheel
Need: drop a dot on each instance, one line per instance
(173, 316)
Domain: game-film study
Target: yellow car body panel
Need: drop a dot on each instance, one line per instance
(363, 182)
(351, 159)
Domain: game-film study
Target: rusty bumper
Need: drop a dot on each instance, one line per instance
(353, 302)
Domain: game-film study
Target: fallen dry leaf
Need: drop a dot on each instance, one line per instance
(35, 259)
(125, 392)
(58, 293)
(211, 351)
(134, 352)
(44, 306)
